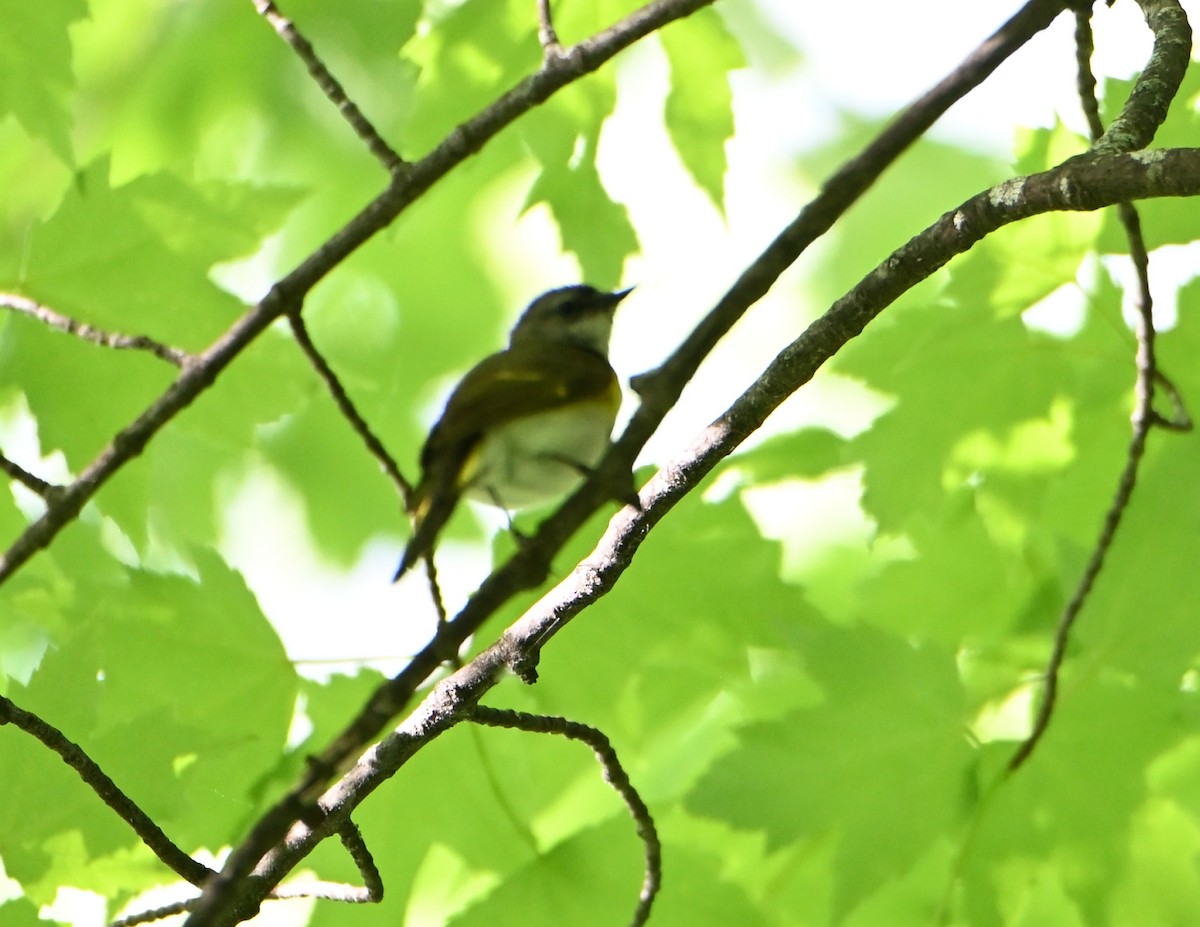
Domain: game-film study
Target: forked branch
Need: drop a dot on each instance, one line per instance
(1147, 377)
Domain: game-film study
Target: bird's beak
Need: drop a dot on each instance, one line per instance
(620, 294)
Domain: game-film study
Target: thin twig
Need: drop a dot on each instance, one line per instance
(1179, 420)
(73, 755)
(351, 414)
(332, 88)
(352, 840)
(63, 323)
(1144, 417)
(156, 914)
(614, 775)
(47, 491)
(370, 893)
(435, 590)
(551, 47)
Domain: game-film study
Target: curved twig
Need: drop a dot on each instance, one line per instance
(370, 893)
(98, 781)
(1144, 417)
(614, 775)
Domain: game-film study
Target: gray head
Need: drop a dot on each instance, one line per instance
(578, 315)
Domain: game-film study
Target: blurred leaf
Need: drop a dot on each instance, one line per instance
(809, 452)
(474, 52)
(881, 765)
(563, 136)
(35, 68)
(99, 261)
(699, 113)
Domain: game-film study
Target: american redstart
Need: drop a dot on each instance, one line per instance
(524, 425)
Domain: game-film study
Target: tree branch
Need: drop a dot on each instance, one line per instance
(98, 781)
(614, 775)
(1079, 185)
(332, 88)
(1144, 416)
(119, 342)
(36, 484)
(551, 47)
(374, 446)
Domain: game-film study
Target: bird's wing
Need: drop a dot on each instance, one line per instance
(524, 380)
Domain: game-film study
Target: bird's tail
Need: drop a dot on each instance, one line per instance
(434, 506)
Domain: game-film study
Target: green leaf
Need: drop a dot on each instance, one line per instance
(596, 874)
(99, 261)
(179, 689)
(592, 225)
(881, 766)
(914, 354)
(211, 221)
(809, 452)
(35, 69)
(22, 913)
(699, 110)
(474, 53)
(563, 136)
(317, 452)
(81, 394)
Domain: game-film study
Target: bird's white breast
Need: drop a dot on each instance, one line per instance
(537, 458)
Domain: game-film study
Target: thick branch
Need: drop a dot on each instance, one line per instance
(1146, 109)
(1082, 184)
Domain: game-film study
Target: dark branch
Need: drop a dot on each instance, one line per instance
(155, 914)
(332, 88)
(370, 893)
(338, 392)
(108, 791)
(47, 491)
(614, 775)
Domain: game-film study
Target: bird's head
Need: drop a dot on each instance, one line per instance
(580, 315)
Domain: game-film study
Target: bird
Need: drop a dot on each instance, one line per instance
(525, 425)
